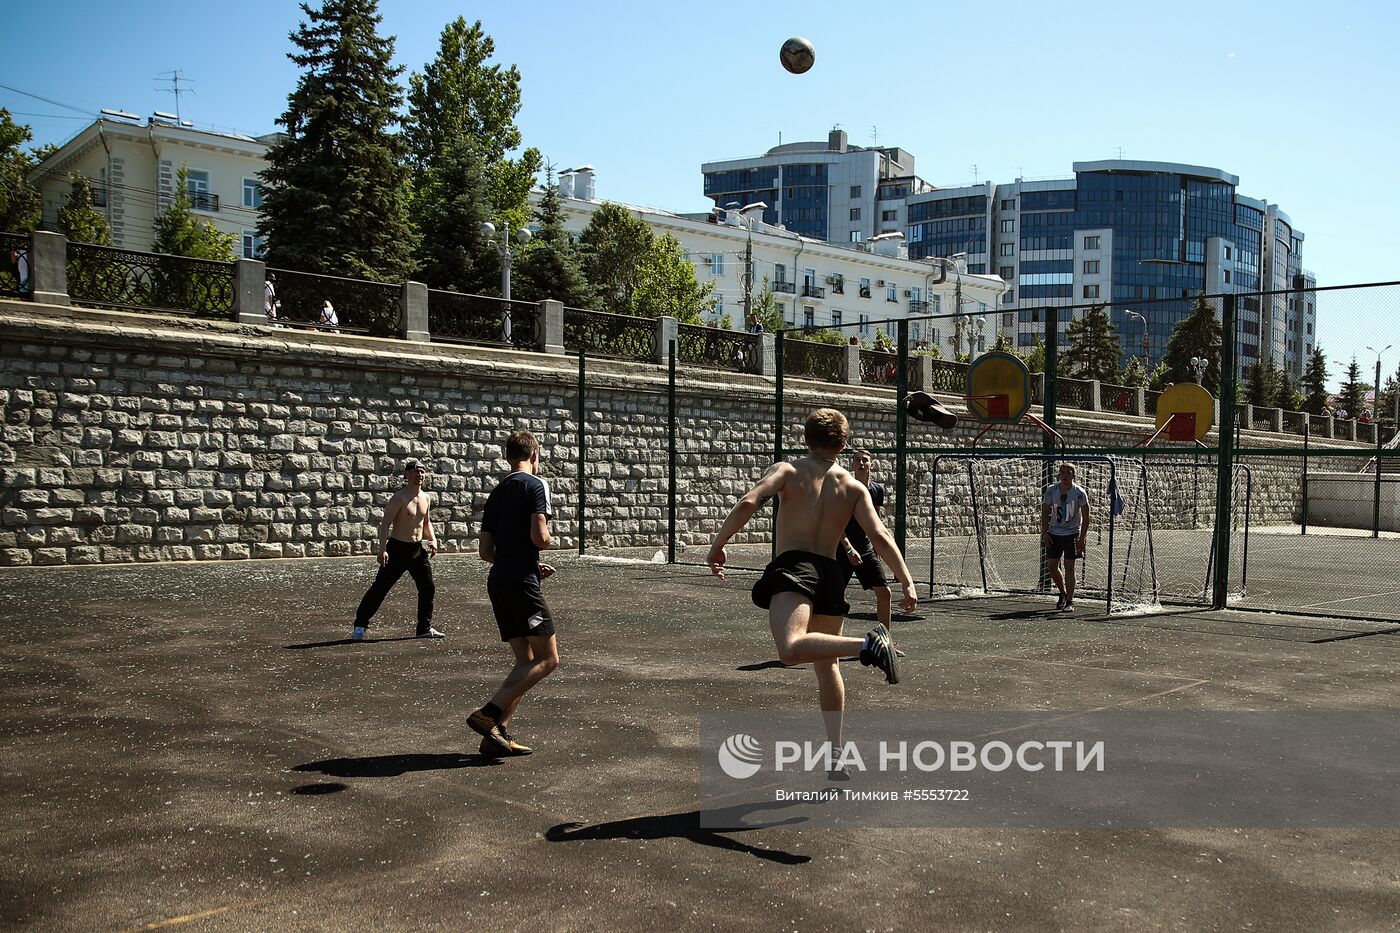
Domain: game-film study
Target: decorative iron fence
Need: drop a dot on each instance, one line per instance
(106, 277)
(1150, 398)
(813, 360)
(1117, 398)
(356, 306)
(14, 265)
(1295, 422)
(716, 347)
(949, 376)
(1073, 393)
(454, 317)
(1318, 424)
(882, 369)
(600, 333)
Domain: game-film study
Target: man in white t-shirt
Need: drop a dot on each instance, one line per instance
(1064, 528)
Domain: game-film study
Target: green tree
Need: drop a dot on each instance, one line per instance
(1262, 383)
(336, 189)
(1286, 394)
(550, 266)
(613, 247)
(1198, 335)
(449, 205)
(78, 220)
(1094, 350)
(1003, 343)
(765, 306)
(21, 207)
(179, 233)
(1351, 394)
(667, 286)
(1135, 373)
(1157, 379)
(1315, 382)
(1035, 357)
(459, 96)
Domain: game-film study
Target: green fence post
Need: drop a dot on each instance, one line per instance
(1225, 478)
(901, 437)
(1049, 403)
(1307, 433)
(671, 460)
(1376, 426)
(582, 444)
(777, 424)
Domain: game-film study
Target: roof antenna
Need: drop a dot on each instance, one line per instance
(175, 88)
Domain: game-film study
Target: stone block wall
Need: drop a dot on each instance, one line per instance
(134, 438)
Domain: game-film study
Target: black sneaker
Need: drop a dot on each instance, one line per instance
(879, 652)
(490, 731)
(1060, 602)
(1068, 606)
(490, 750)
(838, 775)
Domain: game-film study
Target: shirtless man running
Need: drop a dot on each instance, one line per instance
(803, 588)
(406, 543)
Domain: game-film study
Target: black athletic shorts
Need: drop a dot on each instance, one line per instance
(1066, 546)
(812, 575)
(870, 573)
(520, 607)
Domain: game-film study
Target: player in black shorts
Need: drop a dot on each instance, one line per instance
(514, 527)
(856, 556)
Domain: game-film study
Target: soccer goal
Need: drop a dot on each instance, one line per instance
(1152, 538)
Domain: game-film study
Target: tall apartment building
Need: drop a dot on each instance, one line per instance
(1118, 232)
(133, 168)
(826, 191)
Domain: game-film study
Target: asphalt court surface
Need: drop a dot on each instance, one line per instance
(199, 747)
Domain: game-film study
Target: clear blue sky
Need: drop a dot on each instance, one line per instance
(1295, 98)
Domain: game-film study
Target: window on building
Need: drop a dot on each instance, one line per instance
(855, 213)
(1008, 226)
(857, 236)
(865, 325)
(1227, 276)
(836, 315)
(916, 331)
(935, 304)
(916, 294)
(197, 186)
(864, 288)
(1007, 249)
(1009, 297)
(1227, 252)
(1008, 320)
(1091, 267)
(855, 191)
(252, 193)
(1007, 273)
(252, 245)
(889, 215)
(1008, 204)
(1091, 242)
(789, 314)
(1091, 291)
(809, 317)
(981, 307)
(779, 272)
(717, 263)
(891, 292)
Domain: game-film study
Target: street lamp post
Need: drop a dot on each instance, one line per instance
(502, 248)
(1145, 362)
(1198, 367)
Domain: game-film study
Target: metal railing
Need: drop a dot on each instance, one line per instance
(1117, 398)
(949, 376)
(14, 257)
(204, 201)
(716, 348)
(126, 280)
(1073, 393)
(813, 360)
(813, 291)
(602, 333)
(454, 317)
(357, 306)
(785, 288)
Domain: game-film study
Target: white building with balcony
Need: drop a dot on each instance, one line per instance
(133, 168)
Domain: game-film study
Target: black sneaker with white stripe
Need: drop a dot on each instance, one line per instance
(879, 652)
(1060, 603)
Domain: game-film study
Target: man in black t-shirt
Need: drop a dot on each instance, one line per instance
(857, 555)
(514, 527)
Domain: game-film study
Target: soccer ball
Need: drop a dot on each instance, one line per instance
(797, 55)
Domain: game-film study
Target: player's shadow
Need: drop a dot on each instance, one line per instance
(1025, 614)
(394, 765)
(685, 826)
(775, 664)
(347, 641)
(894, 617)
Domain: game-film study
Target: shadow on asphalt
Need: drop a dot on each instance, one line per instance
(683, 826)
(347, 641)
(395, 765)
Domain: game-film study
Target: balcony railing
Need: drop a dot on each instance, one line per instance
(204, 201)
(813, 291)
(785, 288)
(918, 306)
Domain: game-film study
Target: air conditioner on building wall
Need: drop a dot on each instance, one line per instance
(880, 283)
(908, 293)
(709, 260)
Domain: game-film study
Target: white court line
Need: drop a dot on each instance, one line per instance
(1347, 599)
